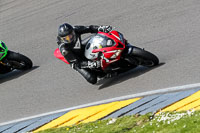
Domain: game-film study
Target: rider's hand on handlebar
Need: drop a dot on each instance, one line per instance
(94, 64)
(105, 29)
(90, 64)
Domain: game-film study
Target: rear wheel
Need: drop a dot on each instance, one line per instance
(18, 61)
(144, 58)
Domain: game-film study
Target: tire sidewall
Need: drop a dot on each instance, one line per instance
(13, 56)
(145, 55)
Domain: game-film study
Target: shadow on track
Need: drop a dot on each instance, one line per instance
(14, 74)
(125, 76)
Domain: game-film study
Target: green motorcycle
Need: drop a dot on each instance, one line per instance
(10, 60)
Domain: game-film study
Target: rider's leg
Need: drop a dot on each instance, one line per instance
(75, 64)
(87, 74)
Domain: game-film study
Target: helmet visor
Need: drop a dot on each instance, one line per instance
(69, 38)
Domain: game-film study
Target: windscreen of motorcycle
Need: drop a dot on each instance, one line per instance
(97, 42)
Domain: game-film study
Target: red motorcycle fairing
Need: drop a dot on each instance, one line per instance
(113, 53)
(58, 55)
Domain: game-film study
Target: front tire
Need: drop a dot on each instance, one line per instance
(144, 57)
(18, 61)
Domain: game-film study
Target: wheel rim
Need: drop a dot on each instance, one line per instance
(17, 65)
(147, 63)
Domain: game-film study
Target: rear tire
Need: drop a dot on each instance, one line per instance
(19, 61)
(144, 58)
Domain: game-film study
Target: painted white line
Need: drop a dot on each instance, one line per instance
(160, 91)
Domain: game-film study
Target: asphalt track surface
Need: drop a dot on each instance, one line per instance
(168, 28)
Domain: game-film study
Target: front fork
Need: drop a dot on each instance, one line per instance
(3, 63)
(5, 68)
(127, 55)
(6, 63)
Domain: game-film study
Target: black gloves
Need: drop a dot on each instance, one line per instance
(105, 29)
(90, 64)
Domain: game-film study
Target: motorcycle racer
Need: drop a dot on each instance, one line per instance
(71, 47)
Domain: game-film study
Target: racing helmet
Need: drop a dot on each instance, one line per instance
(66, 33)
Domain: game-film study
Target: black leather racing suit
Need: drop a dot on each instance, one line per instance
(75, 51)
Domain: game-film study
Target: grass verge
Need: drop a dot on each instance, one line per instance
(170, 122)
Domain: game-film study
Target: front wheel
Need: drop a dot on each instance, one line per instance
(144, 57)
(18, 61)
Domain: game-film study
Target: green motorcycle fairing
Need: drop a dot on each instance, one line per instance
(3, 50)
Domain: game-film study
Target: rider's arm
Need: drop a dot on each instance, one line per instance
(86, 29)
(91, 29)
(74, 60)
(66, 52)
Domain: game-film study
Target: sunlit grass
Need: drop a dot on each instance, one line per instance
(174, 122)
